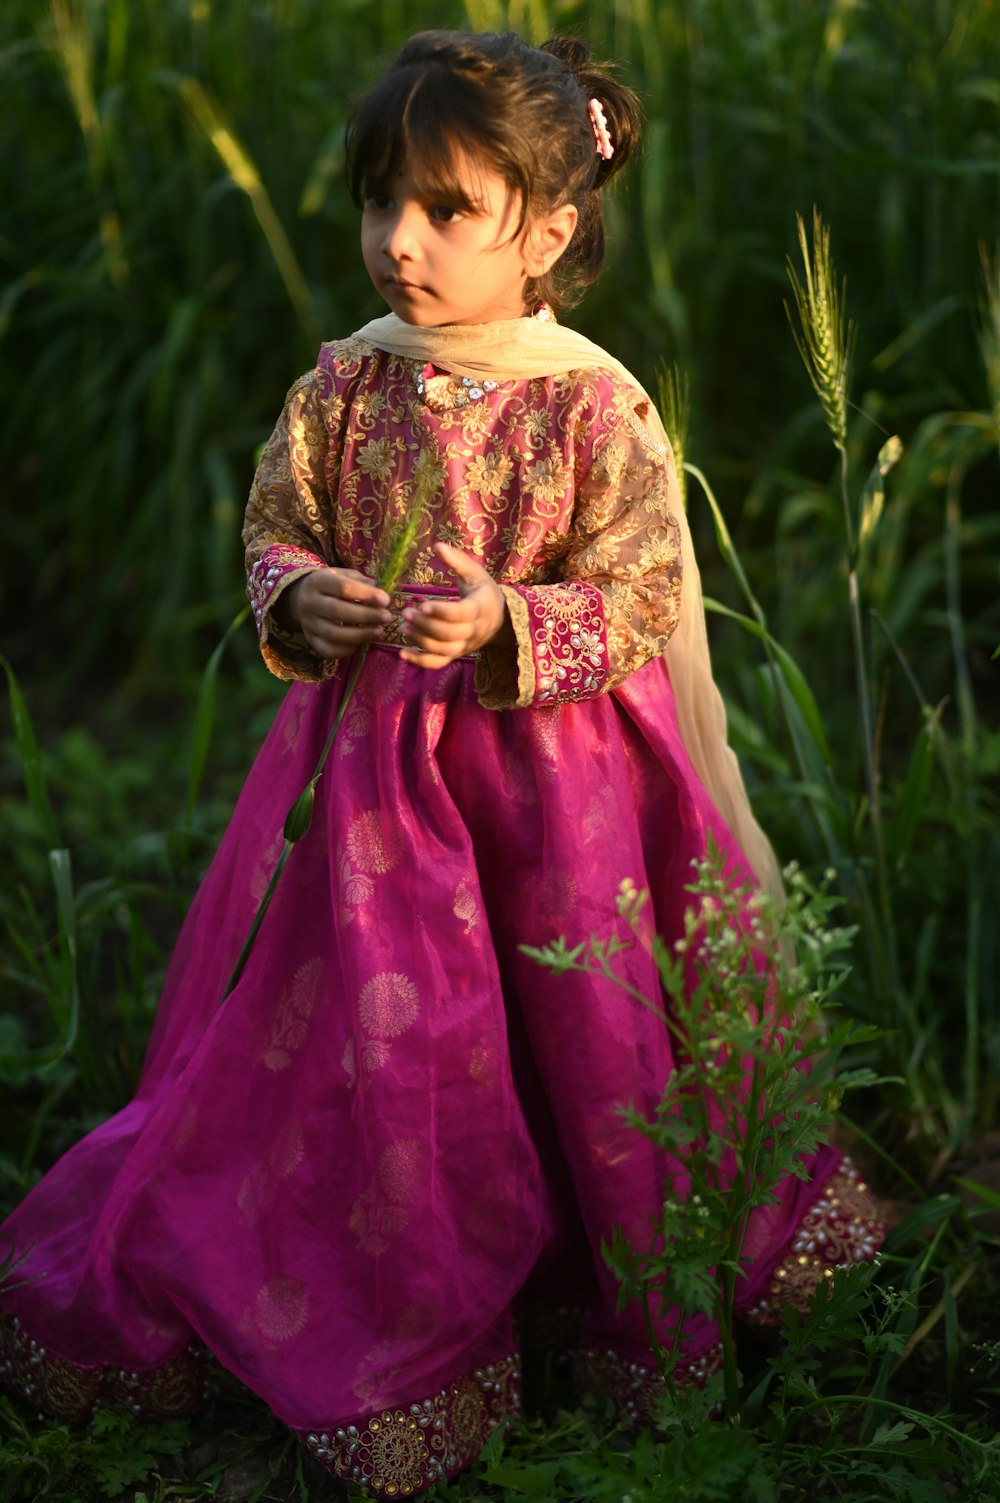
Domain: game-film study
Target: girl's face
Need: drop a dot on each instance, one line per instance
(437, 264)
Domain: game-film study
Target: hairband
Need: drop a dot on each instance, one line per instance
(601, 133)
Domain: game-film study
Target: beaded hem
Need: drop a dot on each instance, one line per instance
(277, 568)
(844, 1226)
(397, 1452)
(70, 1391)
(637, 1387)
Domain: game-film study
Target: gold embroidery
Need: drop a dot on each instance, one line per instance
(388, 1004)
(291, 1024)
(355, 887)
(261, 1185)
(399, 1451)
(489, 474)
(844, 1226)
(637, 1387)
(268, 861)
(465, 907)
(381, 1212)
(71, 1391)
(281, 1309)
(548, 482)
(373, 842)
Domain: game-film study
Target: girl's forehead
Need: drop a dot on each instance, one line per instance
(459, 174)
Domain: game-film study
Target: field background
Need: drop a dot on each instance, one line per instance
(175, 241)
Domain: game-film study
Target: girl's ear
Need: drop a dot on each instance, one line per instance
(546, 239)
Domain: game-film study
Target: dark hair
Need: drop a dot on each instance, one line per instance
(523, 110)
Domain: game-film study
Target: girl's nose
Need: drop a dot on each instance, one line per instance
(400, 242)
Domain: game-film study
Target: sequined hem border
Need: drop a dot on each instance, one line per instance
(69, 1391)
(397, 1452)
(844, 1225)
(637, 1387)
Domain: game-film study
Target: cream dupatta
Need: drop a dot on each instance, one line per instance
(522, 348)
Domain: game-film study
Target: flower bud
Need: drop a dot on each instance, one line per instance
(299, 817)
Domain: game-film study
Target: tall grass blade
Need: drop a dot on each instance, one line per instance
(912, 795)
(728, 551)
(792, 675)
(872, 502)
(204, 716)
(244, 173)
(989, 338)
(31, 761)
(674, 388)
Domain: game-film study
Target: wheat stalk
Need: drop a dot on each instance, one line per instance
(675, 409)
(825, 341)
(397, 553)
(989, 334)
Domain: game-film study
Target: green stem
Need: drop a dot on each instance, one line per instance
(730, 1364)
(265, 901)
(888, 951)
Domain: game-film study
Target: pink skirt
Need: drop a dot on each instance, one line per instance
(338, 1182)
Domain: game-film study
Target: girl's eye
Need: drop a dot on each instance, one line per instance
(378, 200)
(445, 214)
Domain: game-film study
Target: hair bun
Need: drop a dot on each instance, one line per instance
(619, 103)
(569, 50)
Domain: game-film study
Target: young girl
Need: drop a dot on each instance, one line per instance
(340, 1182)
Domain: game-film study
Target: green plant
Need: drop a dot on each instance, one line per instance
(922, 788)
(755, 1088)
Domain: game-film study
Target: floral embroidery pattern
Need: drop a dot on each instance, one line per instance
(280, 1309)
(636, 1386)
(396, 1452)
(489, 474)
(373, 842)
(278, 566)
(844, 1226)
(291, 1022)
(465, 907)
(388, 1004)
(554, 483)
(261, 1185)
(381, 1212)
(70, 1391)
(566, 623)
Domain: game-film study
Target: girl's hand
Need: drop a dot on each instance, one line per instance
(448, 629)
(337, 610)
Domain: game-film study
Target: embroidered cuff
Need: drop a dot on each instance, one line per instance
(562, 651)
(286, 653)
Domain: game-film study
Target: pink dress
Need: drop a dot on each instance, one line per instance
(338, 1183)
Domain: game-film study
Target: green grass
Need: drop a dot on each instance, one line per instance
(176, 242)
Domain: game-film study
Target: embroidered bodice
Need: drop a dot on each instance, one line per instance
(555, 484)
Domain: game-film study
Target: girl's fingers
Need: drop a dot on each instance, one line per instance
(465, 568)
(332, 638)
(465, 609)
(435, 629)
(351, 613)
(429, 659)
(348, 587)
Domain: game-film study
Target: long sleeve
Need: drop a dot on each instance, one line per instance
(619, 598)
(288, 527)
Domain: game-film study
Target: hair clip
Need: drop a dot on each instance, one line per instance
(602, 135)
